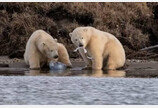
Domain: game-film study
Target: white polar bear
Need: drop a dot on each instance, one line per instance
(41, 48)
(105, 49)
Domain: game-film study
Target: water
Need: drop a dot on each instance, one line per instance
(46, 90)
(137, 85)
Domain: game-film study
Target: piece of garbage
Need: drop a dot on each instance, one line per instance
(77, 49)
(57, 65)
(89, 57)
(85, 51)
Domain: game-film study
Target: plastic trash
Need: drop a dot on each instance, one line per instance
(85, 51)
(57, 66)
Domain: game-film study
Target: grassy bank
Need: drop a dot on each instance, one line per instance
(134, 24)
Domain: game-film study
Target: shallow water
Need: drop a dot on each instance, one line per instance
(82, 87)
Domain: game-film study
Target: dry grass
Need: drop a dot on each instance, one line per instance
(134, 24)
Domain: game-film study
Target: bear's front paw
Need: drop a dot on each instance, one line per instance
(87, 68)
(69, 66)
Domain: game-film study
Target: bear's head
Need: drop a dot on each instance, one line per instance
(80, 36)
(50, 49)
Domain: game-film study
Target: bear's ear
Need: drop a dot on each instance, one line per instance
(85, 29)
(56, 40)
(70, 34)
(43, 44)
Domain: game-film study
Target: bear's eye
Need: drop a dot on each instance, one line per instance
(75, 39)
(82, 38)
(51, 50)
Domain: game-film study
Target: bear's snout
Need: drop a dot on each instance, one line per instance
(80, 45)
(56, 56)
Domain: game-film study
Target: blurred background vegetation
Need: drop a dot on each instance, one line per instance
(134, 24)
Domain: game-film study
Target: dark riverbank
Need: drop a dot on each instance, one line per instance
(134, 24)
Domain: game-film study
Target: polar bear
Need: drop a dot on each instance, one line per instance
(41, 48)
(105, 49)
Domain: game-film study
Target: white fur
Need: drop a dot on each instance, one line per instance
(105, 49)
(40, 48)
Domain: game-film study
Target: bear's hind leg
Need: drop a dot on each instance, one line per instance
(110, 65)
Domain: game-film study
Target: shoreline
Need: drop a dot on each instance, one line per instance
(132, 68)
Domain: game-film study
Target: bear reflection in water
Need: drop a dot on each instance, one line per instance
(93, 73)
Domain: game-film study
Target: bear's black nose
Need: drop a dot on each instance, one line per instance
(56, 56)
(80, 45)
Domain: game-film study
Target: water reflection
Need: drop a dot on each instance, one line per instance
(68, 72)
(108, 73)
(34, 73)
